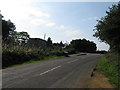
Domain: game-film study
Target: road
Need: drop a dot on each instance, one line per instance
(68, 72)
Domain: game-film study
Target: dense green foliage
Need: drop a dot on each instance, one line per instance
(36, 42)
(22, 37)
(7, 29)
(108, 28)
(19, 54)
(49, 42)
(109, 64)
(83, 45)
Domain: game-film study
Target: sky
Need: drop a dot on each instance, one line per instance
(62, 21)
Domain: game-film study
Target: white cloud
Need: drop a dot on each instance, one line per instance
(14, 9)
(20, 9)
(50, 24)
(37, 13)
(24, 15)
(38, 21)
(70, 33)
(62, 27)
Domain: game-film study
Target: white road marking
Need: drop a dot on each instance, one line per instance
(50, 70)
(72, 61)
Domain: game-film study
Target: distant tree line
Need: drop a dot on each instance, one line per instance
(83, 45)
(40, 43)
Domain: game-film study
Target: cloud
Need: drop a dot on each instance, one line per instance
(62, 27)
(50, 24)
(37, 13)
(70, 33)
(23, 12)
(38, 21)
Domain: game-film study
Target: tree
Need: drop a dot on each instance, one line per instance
(37, 43)
(61, 44)
(108, 28)
(83, 45)
(22, 37)
(8, 29)
(49, 42)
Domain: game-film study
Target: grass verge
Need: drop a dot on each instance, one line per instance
(36, 61)
(109, 65)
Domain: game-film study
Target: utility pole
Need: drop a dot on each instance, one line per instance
(44, 36)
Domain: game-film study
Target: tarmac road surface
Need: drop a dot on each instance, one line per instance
(69, 72)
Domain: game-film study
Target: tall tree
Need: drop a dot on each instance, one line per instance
(49, 42)
(61, 44)
(108, 28)
(8, 28)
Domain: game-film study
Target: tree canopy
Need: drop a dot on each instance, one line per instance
(83, 45)
(23, 37)
(108, 28)
(7, 29)
(49, 42)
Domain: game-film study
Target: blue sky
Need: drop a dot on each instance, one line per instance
(62, 21)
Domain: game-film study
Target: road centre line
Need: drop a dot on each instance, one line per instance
(36, 75)
(50, 70)
(72, 61)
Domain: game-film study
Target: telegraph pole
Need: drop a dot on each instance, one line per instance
(44, 36)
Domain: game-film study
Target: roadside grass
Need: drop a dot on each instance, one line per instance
(44, 59)
(110, 67)
(36, 61)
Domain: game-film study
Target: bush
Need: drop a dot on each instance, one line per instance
(12, 55)
(10, 58)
